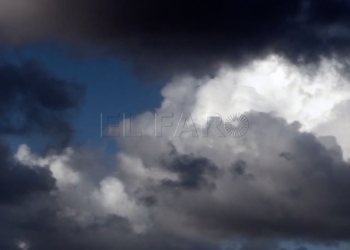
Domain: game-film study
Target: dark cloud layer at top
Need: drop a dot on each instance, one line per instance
(165, 37)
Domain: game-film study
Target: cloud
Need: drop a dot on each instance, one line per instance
(193, 172)
(32, 101)
(285, 179)
(260, 244)
(88, 214)
(272, 197)
(162, 37)
(18, 181)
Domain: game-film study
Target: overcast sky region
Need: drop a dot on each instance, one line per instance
(174, 125)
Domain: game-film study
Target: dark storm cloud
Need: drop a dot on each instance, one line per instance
(239, 170)
(264, 193)
(18, 181)
(181, 36)
(193, 172)
(301, 248)
(260, 245)
(33, 101)
(39, 223)
(263, 245)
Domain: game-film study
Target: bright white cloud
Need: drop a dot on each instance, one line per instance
(318, 98)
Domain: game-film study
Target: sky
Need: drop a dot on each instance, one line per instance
(185, 125)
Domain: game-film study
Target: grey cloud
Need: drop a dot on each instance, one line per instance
(282, 199)
(35, 212)
(299, 199)
(239, 170)
(301, 248)
(162, 37)
(18, 182)
(32, 101)
(259, 244)
(193, 172)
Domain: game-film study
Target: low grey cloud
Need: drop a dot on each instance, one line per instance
(260, 194)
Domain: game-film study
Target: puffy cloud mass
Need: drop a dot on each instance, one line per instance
(188, 184)
(287, 177)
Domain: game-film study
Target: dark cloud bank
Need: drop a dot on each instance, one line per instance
(187, 36)
(32, 102)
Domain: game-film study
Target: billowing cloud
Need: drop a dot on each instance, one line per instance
(287, 178)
